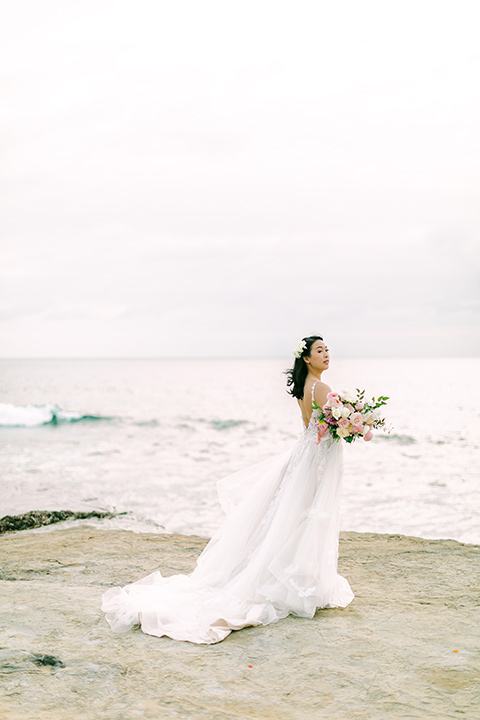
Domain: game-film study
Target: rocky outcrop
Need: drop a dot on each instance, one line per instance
(37, 518)
(406, 647)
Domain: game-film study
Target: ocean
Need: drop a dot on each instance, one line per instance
(149, 438)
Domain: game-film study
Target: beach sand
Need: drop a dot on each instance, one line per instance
(406, 647)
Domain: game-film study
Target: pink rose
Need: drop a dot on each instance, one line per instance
(356, 419)
(359, 406)
(344, 422)
(349, 407)
(333, 400)
(368, 436)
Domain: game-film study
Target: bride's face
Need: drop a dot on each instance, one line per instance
(319, 356)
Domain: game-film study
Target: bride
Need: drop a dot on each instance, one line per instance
(276, 552)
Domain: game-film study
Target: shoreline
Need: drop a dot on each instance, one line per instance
(407, 645)
(50, 520)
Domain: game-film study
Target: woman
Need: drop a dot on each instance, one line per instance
(276, 552)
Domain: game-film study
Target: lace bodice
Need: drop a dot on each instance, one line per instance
(310, 433)
(310, 429)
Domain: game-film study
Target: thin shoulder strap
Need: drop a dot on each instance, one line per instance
(313, 391)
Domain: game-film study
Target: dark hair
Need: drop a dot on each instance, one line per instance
(298, 374)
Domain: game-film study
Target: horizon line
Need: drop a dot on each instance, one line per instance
(228, 357)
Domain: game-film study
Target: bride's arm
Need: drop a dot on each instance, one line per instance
(320, 393)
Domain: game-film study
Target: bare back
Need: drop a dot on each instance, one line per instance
(319, 394)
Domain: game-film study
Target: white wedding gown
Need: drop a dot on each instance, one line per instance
(275, 554)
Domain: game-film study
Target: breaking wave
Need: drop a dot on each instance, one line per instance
(34, 415)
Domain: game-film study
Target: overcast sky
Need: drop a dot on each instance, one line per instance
(221, 178)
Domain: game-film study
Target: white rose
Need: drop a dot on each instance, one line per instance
(348, 396)
(345, 412)
(365, 429)
(343, 432)
(337, 412)
(368, 417)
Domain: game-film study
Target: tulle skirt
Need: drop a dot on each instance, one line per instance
(275, 554)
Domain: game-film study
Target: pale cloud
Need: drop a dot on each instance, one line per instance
(196, 167)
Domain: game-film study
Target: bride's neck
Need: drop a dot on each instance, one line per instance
(313, 375)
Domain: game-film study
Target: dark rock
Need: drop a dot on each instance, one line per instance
(37, 518)
(49, 660)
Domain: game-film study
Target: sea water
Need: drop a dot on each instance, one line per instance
(150, 438)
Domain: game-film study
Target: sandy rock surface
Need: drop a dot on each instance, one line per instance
(407, 646)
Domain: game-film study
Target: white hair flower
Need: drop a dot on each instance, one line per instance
(299, 349)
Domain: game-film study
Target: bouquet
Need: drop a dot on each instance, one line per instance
(349, 416)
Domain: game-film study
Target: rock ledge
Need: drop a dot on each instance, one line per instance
(406, 647)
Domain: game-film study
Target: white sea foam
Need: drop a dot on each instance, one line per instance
(33, 415)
